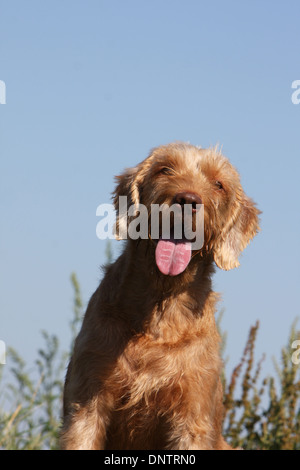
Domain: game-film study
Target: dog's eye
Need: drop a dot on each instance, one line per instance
(165, 171)
(219, 185)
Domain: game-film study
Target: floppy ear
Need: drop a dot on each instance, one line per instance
(129, 184)
(126, 187)
(237, 236)
(125, 195)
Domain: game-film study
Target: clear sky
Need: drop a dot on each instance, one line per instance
(91, 87)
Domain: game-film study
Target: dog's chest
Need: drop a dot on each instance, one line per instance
(157, 380)
(153, 370)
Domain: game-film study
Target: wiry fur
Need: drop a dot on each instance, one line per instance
(145, 373)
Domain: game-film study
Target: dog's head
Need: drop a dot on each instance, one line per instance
(181, 175)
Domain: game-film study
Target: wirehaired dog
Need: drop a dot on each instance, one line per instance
(145, 372)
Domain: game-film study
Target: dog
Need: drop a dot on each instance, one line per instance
(145, 371)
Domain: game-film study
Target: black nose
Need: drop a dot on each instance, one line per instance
(186, 197)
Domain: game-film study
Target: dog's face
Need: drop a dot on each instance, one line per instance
(182, 174)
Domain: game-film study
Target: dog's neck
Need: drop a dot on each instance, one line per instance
(141, 257)
(141, 292)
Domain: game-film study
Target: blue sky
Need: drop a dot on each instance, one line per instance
(91, 88)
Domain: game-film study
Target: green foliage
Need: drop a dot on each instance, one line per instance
(31, 400)
(264, 415)
(259, 413)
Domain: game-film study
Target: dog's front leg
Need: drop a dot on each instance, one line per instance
(191, 430)
(188, 440)
(85, 426)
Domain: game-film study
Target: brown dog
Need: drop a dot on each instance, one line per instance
(145, 373)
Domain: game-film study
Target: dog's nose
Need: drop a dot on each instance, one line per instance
(186, 197)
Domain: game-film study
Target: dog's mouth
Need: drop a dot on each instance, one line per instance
(173, 256)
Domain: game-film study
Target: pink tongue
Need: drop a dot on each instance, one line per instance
(173, 256)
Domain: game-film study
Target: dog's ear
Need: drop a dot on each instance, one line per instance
(125, 195)
(129, 184)
(235, 237)
(126, 186)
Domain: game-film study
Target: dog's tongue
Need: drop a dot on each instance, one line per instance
(173, 256)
